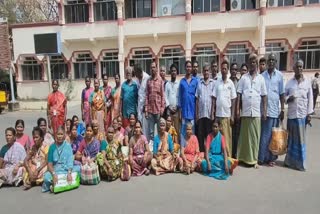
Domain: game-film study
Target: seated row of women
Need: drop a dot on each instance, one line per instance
(120, 154)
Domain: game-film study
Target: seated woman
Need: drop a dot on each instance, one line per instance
(100, 136)
(190, 152)
(164, 160)
(110, 159)
(120, 126)
(75, 138)
(60, 161)
(68, 128)
(173, 132)
(216, 163)
(80, 127)
(11, 170)
(129, 131)
(139, 152)
(118, 136)
(88, 148)
(48, 138)
(22, 138)
(36, 161)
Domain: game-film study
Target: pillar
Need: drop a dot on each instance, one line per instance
(120, 4)
(91, 13)
(262, 28)
(62, 20)
(188, 30)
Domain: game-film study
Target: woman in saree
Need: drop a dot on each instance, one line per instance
(216, 163)
(67, 129)
(85, 105)
(81, 129)
(107, 93)
(173, 132)
(60, 161)
(110, 160)
(11, 170)
(36, 161)
(120, 126)
(75, 139)
(97, 105)
(129, 131)
(190, 152)
(118, 136)
(139, 152)
(21, 137)
(115, 94)
(100, 136)
(164, 160)
(56, 107)
(48, 138)
(88, 148)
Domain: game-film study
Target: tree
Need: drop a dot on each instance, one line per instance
(28, 11)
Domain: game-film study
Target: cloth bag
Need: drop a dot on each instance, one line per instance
(63, 185)
(90, 174)
(279, 141)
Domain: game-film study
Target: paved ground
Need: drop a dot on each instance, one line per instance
(266, 190)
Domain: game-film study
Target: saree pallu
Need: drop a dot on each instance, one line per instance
(265, 155)
(216, 158)
(176, 146)
(226, 131)
(140, 158)
(115, 93)
(191, 149)
(86, 105)
(38, 158)
(97, 100)
(57, 103)
(296, 154)
(12, 158)
(248, 147)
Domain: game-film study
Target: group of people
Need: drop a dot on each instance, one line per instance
(206, 124)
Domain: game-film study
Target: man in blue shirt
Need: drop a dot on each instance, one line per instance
(187, 98)
(275, 87)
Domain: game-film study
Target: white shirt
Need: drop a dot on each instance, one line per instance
(142, 91)
(303, 103)
(251, 91)
(204, 96)
(224, 93)
(172, 93)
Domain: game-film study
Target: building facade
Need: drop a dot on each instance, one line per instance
(104, 36)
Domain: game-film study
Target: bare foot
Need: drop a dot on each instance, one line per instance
(256, 166)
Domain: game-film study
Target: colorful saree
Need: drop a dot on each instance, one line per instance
(215, 146)
(38, 158)
(116, 93)
(108, 115)
(165, 161)
(57, 103)
(89, 150)
(14, 156)
(173, 132)
(25, 141)
(140, 157)
(48, 139)
(86, 105)
(191, 150)
(97, 101)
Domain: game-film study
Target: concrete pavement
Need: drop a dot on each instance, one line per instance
(266, 190)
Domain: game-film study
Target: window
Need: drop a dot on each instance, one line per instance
(309, 52)
(105, 10)
(143, 57)
(84, 65)
(174, 55)
(138, 8)
(306, 2)
(202, 6)
(59, 68)
(280, 3)
(171, 7)
(31, 69)
(109, 64)
(237, 53)
(240, 5)
(281, 52)
(76, 11)
(204, 54)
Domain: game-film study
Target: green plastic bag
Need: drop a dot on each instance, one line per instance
(63, 185)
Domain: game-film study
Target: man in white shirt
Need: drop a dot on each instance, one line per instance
(171, 96)
(142, 78)
(298, 92)
(224, 100)
(251, 90)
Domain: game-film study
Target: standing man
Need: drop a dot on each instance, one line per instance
(204, 106)
(172, 98)
(251, 90)
(85, 105)
(56, 107)
(129, 98)
(155, 101)
(187, 98)
(214, 69)
(262, 65)
(163, 75)
(142, 78)
(275, 87)
(315, 90)
(298, 92)
(224, 101)
(195, 69)
(97, 105)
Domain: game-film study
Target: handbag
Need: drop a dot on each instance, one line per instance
(63, 185)
(279, 141)
(90, 174)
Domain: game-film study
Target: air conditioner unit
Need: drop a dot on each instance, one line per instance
(272, 3)
(3, 19)
(166, 10)
(235, 5)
